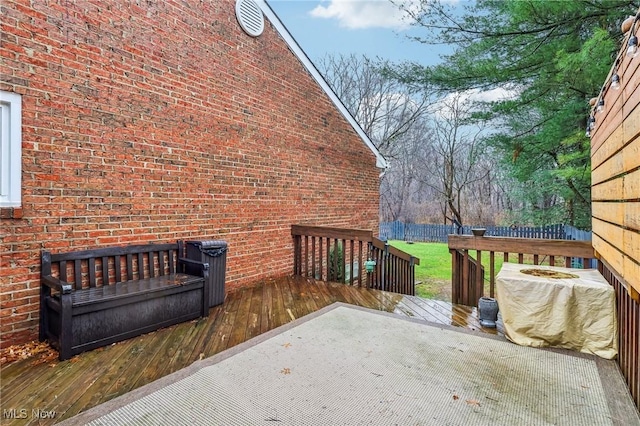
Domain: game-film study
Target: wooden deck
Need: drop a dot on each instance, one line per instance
(64, 389)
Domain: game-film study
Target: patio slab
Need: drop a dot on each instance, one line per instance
(350, 365)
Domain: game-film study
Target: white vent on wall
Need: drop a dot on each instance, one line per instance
(250, 17)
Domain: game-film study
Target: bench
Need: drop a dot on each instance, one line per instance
(94, 298)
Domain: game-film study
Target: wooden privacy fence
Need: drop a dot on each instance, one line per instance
(440, 233)
(615, 195)
(339, 255)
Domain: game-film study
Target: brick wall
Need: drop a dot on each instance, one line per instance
(154, 121)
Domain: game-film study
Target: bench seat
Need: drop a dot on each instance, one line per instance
(128, 289)
(78, 316)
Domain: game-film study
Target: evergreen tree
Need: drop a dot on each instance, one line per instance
(554, 55)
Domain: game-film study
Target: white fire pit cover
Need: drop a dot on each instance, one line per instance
(571, 313)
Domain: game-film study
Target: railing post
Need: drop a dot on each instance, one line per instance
(455, 285)
(412, 276)
(465, 278)
(385, 266)
(296, 255)
(479, 278)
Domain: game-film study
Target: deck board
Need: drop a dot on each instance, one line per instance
(75, 385)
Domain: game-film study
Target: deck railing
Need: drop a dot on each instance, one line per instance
(468, 285)
(466, 278)
(628, 311)
(339, 255)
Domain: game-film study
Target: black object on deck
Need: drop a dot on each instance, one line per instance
(213, 253)
(93, 298)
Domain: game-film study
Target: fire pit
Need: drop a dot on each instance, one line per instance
(545, 273)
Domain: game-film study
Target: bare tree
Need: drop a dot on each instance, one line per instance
(454, 165)
(400, 191)
(392, 115)
(384, 108)
(434, 151)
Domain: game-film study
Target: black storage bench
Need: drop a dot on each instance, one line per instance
(93, 298)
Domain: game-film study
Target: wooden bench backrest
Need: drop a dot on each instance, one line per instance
(106, 266)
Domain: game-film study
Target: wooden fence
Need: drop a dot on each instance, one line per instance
(440, 233)
(615, 170)
(339, 255)
(615, 194)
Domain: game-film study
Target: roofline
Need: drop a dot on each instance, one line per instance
(381, 162)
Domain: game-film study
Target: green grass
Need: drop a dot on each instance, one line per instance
(435, 260)
(434, 271)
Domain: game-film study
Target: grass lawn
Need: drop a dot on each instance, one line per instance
(434, 271)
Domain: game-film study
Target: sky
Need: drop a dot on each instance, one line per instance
(375, 28)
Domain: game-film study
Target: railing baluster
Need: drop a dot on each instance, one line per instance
(360, 263)
(351, 258)
(343, 261)
(320, 253)
(465, 275)
(305, 270)
(313, 257)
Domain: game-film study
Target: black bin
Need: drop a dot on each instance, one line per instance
(213, 252)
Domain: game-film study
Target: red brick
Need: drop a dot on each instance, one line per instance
(171, 129)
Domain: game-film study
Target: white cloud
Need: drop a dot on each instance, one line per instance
(493, 95)
(361, 14)
(464, 102)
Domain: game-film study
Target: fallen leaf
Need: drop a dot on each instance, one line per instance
(473, 402)
(41, 353)
(285, 371)
(287, 345)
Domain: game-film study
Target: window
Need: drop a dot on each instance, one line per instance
(10, 148)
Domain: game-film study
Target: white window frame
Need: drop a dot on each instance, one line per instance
(10, 149)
